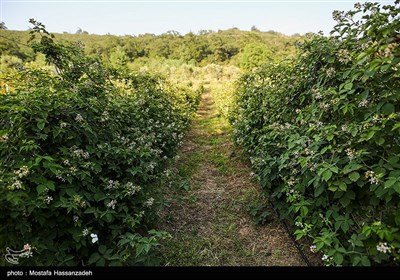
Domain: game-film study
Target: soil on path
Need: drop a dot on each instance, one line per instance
(208, 208)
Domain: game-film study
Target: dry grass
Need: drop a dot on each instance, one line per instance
(209, 222)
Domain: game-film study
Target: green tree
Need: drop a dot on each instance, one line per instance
(118, 58)
(254, 55)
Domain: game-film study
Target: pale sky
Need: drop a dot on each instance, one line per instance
(138, 17)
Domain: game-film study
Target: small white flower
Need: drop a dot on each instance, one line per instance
(383, 247)
(313, 249)
(75, 218)
(79, 118)
(350, 153)
(325, 257)
(149, 202)
(94, 237)
(85, 232)
(330, 72)
(344, 128)
(66, 162)
(363, 103)
(48, 199)
(343, 56)
(111, 204)
(63, 124)
(298, 224)
(22, 172)
(16, 185)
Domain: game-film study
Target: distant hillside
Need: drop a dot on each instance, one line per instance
(221, 47)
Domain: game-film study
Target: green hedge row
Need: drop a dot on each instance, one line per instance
(323, 134)
(82, 150)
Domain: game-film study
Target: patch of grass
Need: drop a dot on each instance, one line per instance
(191, 164)
(221, 161)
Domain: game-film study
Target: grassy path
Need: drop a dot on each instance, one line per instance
(208, 208)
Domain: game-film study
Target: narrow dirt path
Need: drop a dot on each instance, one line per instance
(212, 205)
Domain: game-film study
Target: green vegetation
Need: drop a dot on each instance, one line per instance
(91, 126)
(83, 147)
(222, 47)
(322, 132)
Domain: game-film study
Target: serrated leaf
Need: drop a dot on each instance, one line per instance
(396, 187)
(343, 186)
(393, 159)
(40, 124)
(40, 189)
(50, 185)
(390, 183)
(365, 261)
(319, 190)
(338, 258)
(326, 175)
(348, 86)
(354, 176)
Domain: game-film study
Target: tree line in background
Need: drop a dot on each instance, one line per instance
(233, 46)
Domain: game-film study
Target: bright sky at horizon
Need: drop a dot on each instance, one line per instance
(138, 17)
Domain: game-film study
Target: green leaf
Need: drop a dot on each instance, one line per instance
(99, 196)
(393, 160)
(388, 108)
(396, 187)
(343, 186)
(94, 258)
(40, 189)
(50, 185)
(354, 176)
(390, 183)
(348, 86)
(338, 258)
(345, 226)
(365, 261)
(40, 124)
(327, 174)
(102, 249)
(370, 134)
(318, 190)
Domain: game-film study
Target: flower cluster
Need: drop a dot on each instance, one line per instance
(371, 176)
(131, 189)
(111, 185)
(343, 56)
(350, 153)
(111, 204)
(149, 202)
(383, 247)
(22, 172)
(79, 153)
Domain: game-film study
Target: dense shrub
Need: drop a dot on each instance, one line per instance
(322, 131)
(81, 152)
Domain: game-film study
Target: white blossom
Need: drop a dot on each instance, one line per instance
(383, 247)
(149, 202)
(111, 204)
(79, 118)
(313, 248)
(48, 199)
(22, 172)
(16, 185)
